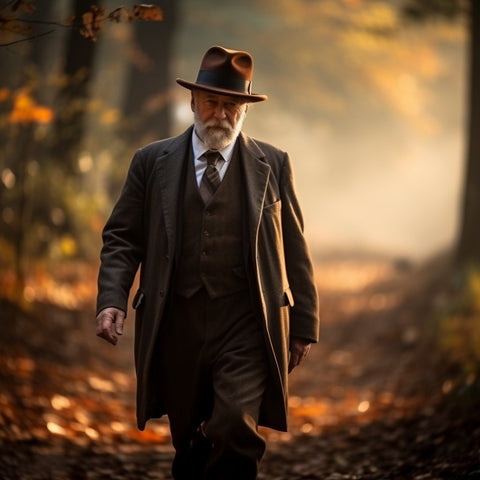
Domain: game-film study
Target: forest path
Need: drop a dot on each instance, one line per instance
(377, 398)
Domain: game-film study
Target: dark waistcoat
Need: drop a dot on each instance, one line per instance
(211, 253)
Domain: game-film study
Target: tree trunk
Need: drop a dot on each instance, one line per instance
(47, 52)
(469, 244)
(147, 104)
(73, 96)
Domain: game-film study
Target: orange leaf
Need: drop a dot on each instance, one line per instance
(92, 22)
(148, 13)
(26, 110)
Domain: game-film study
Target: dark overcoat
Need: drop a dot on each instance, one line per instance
(142, 230)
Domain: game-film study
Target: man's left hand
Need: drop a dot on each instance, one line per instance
(299, 348)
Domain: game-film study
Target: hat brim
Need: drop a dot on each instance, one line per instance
(252, 98)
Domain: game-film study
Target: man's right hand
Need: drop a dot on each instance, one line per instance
(110, 322)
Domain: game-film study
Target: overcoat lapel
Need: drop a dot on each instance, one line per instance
(257, 173)
(171, 169)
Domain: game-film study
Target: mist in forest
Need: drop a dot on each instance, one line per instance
(369, 106)
(374, 123)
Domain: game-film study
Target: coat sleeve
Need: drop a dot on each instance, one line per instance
(304, 315)
(123, 241)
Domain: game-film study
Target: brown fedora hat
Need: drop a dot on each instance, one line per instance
(225, 72)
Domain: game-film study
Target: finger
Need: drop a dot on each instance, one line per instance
(108, 335)
(105, 327)
(305, 352)
(294, 361)
(119, 322)
(297, 354)
(302, 354)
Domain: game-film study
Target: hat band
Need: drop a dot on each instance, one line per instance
(226, 82)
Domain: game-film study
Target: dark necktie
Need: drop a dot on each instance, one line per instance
(211, 178)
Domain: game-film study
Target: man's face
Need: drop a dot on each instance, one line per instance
(218, 118)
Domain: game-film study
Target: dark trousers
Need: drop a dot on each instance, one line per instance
(214, 366)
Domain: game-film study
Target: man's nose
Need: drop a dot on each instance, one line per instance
(220, 112)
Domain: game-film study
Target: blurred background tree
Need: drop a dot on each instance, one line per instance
(73, 91)
(469, 246)
(468, 249)
(147, 107)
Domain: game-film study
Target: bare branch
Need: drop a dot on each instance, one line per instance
(45, 22)
(26, 39)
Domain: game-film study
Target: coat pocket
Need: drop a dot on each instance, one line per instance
(138, 299)
(273, 207)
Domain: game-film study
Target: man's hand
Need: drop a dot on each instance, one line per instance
(299, 348)
(110, 322)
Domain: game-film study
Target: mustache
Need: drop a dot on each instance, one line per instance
(222, 124)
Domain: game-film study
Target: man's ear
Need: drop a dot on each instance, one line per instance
(192, 102)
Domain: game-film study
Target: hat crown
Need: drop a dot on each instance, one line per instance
(226, 72)
(228, 62)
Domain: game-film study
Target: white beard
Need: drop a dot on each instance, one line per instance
(217, 135)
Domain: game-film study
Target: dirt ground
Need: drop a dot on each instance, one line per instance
(378, 398)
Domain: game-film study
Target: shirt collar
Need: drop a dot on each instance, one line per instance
(199, 148)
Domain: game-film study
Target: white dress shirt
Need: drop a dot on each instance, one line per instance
(200, 164)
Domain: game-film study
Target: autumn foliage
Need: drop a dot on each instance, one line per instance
(93, 20)
(46, 212)
(15, 20)
(26, 109)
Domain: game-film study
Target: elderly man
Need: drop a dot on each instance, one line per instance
(227, 304)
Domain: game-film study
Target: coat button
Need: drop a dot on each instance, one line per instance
(162, 293)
